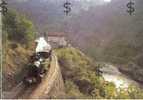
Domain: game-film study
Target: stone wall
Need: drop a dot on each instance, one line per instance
(58, 89)
(53, 85)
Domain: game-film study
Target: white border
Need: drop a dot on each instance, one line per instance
(1, 55)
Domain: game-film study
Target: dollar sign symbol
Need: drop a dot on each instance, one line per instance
(4, 10)
(131, 9)
(3, 7)
(67, 6)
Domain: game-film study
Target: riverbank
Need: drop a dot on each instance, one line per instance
(129, 74)
(112, 73)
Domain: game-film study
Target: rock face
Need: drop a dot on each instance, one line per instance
(57, 90)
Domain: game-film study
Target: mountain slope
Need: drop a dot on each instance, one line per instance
(83, 80)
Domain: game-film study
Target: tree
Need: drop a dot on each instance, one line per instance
(18, 28)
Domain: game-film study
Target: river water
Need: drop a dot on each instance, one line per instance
(112, 74)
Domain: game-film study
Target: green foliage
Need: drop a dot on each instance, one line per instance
(120, 51)
(135, 92)
(18, 32)
(17, 28)
(131, 93)
(82, 81)
(15, 59)
(110, 90)
(72, 90)
(122, 95)
(79, 69)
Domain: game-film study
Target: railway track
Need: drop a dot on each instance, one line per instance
(36, 91)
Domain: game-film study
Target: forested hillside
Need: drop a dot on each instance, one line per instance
(18, 32)
(105, 32)
(81, 74)
(98, 29)
(83, 80)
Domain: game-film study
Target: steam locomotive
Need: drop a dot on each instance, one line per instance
(36, 70)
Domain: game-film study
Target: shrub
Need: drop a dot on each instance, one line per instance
(17, 28)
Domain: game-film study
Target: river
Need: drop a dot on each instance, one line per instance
(112, 74)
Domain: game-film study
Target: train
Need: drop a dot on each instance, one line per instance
(36, 70)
